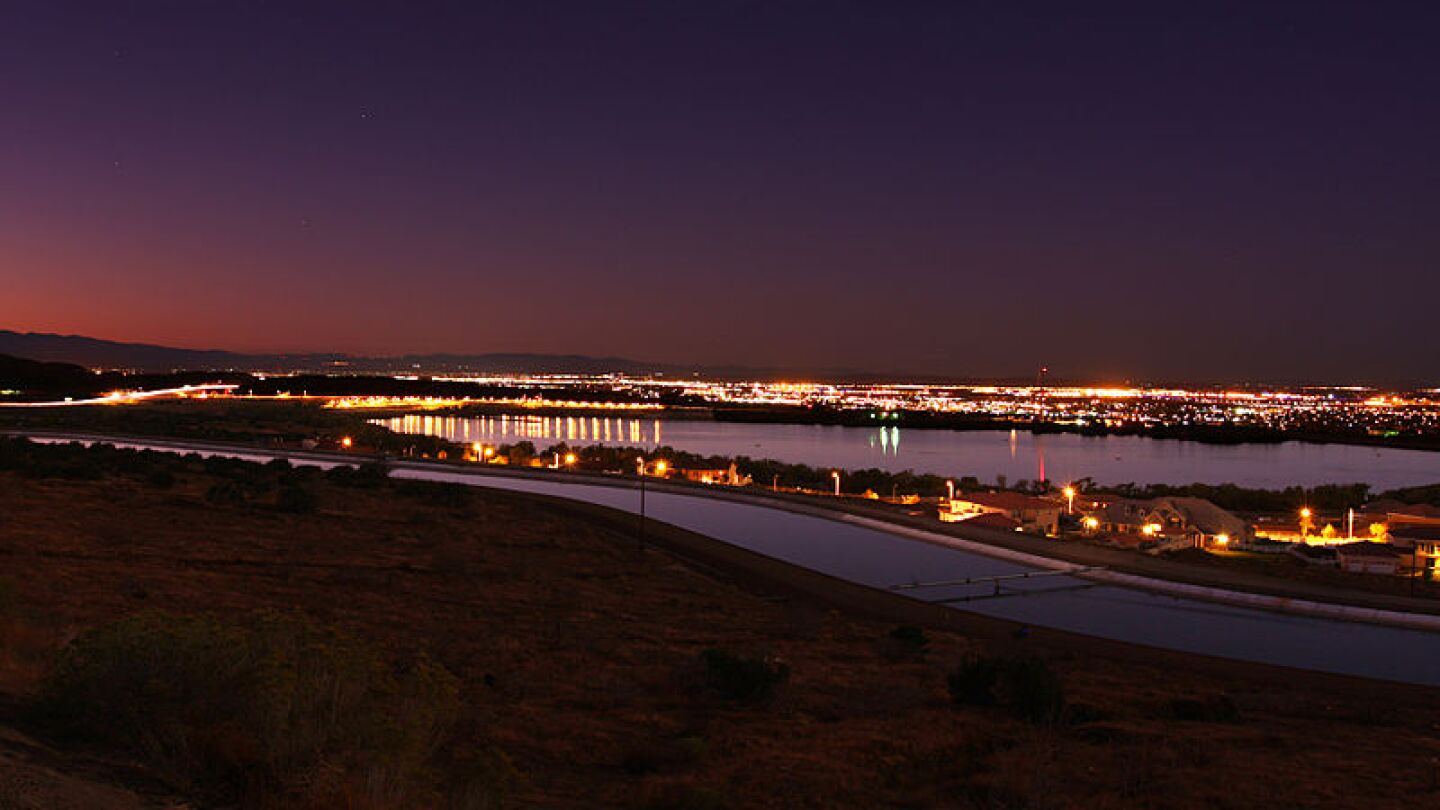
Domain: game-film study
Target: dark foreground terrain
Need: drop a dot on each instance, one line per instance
(440, 647)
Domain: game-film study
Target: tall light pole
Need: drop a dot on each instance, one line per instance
(1069, 500)
(640, 471)
(950, 489)
(836, 475)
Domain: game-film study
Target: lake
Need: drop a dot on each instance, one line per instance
(984, 454)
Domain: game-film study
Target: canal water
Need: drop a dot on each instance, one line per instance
(879, 559)
(984, 454)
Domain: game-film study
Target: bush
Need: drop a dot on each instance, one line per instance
(906, 642)
(247, 709)
(296, 499)
(442, 494)
(738, 677)
(7, 595)
(370, 475)
(1032, 690)
(161, 479)
(1026, 685)
(973, 682)
(226, 492)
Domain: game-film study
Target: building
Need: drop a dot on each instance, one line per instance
(1422, 542)
(728, 476)
(1031, 513)
(1372, 558)
(1122, 516)
(1172, 522)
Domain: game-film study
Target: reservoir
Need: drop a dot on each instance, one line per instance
(985, 454)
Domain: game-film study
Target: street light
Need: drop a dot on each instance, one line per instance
(347, 443)
(950, 489)
(660, 467)
(836, 475)
(569, 459)
(640, 471)
(1069, 493)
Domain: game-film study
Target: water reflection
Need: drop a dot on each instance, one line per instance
(541, 430)
(886, 440)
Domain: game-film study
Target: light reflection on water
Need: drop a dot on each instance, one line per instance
(984, 454)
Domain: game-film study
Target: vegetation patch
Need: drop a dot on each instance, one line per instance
(1024, 684)
(742, 678)
(248, 709)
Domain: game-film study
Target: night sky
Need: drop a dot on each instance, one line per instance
(1143, 191)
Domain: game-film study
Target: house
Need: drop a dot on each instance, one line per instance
(706, 475)
(1123, 516)
(1173, 521)
(1422, 541)
(1371, 558)
(1413, 515)
(1033, 514)
(1202, 521)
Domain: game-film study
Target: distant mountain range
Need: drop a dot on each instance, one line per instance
(108, 354)
(18, 372)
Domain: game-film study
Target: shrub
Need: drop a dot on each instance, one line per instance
(1032, 689)
(248, 708)
(1026, 685)
(226, 492)
(906, 642)
(738, 677)
(973, 682)
(7, 595)
(442, 494)
(296, 499)
(370, 475)
(161, 479)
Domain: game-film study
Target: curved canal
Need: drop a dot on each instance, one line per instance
(871, 556)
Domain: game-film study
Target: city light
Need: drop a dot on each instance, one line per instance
(347, 442)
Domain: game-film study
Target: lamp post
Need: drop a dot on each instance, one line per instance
(836, 475)
(1069, 500)
(950, 490)
(640, 471)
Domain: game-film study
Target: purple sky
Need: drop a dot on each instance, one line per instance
(1117, 191)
